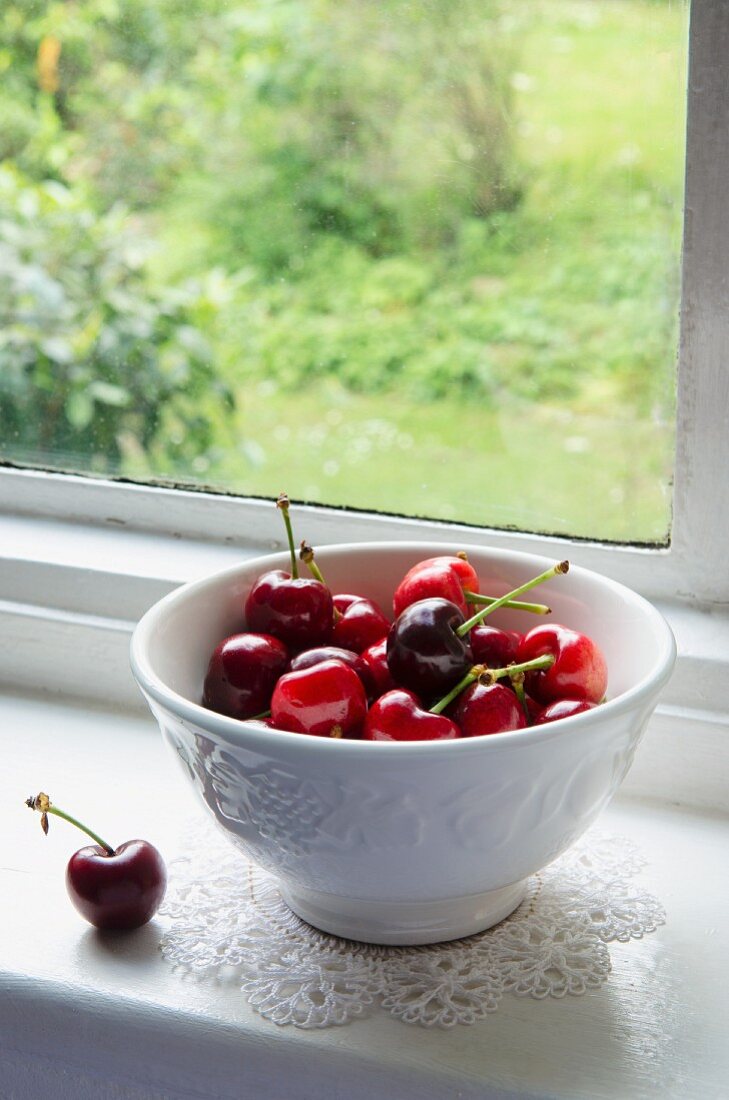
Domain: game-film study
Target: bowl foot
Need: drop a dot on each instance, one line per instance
(404, 923)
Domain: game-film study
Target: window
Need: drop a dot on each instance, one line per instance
(287, 243)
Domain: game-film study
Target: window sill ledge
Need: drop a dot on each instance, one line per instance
(76, 1004)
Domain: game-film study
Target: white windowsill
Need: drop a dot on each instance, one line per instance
(74, 1004)
(97, 1017)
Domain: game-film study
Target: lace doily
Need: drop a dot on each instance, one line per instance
(231, 924)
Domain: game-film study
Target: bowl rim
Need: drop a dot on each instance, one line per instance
(238, 732)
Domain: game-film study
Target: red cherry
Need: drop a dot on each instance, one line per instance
(360, 623)
(563, 708)
(297, 610)
(579, 670)
(493, 647)
(310, 657)
(242, 674)
(121, 890)
(375, 657)
(488, 708)
(399, 716)
(446, 577)
(327, 700)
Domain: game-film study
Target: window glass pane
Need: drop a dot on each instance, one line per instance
(422, 258)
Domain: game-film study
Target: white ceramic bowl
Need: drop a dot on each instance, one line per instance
(404, 842)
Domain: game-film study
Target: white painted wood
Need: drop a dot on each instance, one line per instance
(700, 532)
(91, 1017)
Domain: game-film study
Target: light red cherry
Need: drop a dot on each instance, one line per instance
(563, 708)
(579, 671)
(310, 657)
(358, 622)
(399, 716)
(445, 576)
(327, 700)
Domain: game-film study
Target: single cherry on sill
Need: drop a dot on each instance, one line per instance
(310, 657)
(242, 674)
(563, 708)
(579, 670)
(400, 716)
(297, 610)
(112, 888)
(327, 700)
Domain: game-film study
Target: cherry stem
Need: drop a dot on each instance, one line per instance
(560, 567)
(263, 714)
(517, 682)
(471, 676)
(283, 504)
(516, 605)
(43, 804)
(489, 676)
(306, 553)
(537, 664)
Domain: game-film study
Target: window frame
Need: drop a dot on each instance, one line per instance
(692, 568)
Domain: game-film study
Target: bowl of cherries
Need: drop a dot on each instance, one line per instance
(397, 731)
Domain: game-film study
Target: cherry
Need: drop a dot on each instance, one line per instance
(118, 888)
(485, 708)
(327, 700)
(424, 651)
(242, 674)
(579, 670)
(492, 646)
(399, 716)
(310, 657)
(452, 578)
(563, 708)
(446, 577)
(375, 657)
(297, 610)
(359, 624)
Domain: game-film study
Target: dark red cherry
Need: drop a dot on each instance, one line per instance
(424, 652)
(446, 577)
(579, 670)
(242, 674)
(360, 623)
(488, 708)
(563, 708)
(493, 647)
(309, 657)
(399, 716)
(121, 890)
(297, 610)
(327, 700)
(118, 888)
